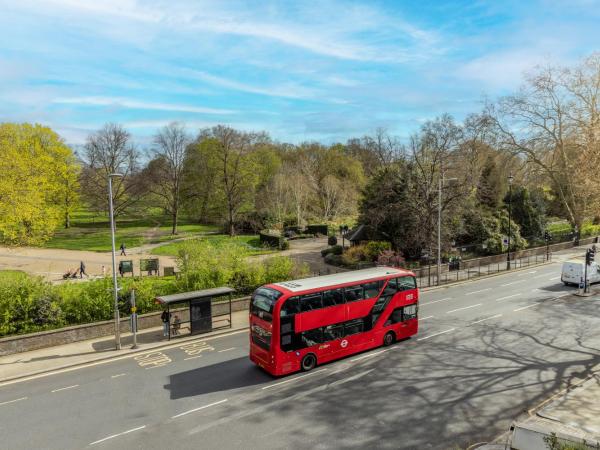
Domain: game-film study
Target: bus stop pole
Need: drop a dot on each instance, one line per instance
(133, 320)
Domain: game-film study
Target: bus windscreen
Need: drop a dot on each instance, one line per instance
(263, 301)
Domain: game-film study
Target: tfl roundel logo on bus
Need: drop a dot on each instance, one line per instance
(344, 343)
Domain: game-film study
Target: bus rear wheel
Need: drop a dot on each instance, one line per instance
(308, 362)
(389, 339)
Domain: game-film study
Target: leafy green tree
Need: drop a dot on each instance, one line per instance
(490, 186)
(528, 211)
(37, 183)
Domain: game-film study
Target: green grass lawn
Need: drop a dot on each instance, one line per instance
(249, 242)
(91, 232)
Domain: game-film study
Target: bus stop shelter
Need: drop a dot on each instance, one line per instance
(203, 315)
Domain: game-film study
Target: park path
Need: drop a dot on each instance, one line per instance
(52, 263)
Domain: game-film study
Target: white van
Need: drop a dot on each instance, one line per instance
(573, 272)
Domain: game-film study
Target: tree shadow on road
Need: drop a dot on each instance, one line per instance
(455, 389)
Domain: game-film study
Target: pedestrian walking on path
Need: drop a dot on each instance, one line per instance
(166, 318)
(82, 270)
(123, 249)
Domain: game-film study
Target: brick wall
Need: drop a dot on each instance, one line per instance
(51, 338)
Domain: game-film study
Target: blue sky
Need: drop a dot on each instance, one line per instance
(300, 70)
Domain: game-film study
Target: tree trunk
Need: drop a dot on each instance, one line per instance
(67, 219)
(174, 228)
(231, 224)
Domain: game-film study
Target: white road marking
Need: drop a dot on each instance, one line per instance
(436, 334)
(477, 292)
(535, 290)
(555, 278)
(437, 301)
(525, 307)
(118, 375)
(508, 296)
(227, 349)
(513, 282)
(119, 434)
(466, 307)
(541, 276)
(563, 295)
(368, 356)
(487, 318)
(293, 379)
(425, 318)
(351, 378)
(198, 409)
(13, 401)
(65, 388)
(192, 357)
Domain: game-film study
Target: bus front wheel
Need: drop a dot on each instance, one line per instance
(389, 338)
(308, 362)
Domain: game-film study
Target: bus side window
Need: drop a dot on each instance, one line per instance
(310, 302)
(290, 307)
(312, 337)
(353, 327)
(395, 317)
(391, 287)
(406, 283)
(353, 293)
(333, 297)
(333, 332)
(410, 312)
(372, 289)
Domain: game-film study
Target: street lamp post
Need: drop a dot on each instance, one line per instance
(439, 227)
(114, 268)
(510, 180)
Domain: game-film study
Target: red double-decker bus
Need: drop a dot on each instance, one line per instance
(298, 324)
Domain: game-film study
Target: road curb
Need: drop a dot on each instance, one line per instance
(482, 277)
(121, 355)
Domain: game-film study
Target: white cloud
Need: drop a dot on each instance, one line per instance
(502, 70)
(290, 90)
(358, 33)
(136, 104)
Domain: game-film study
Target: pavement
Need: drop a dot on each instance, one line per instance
(486, 351)
(47, 360)
(573, 415)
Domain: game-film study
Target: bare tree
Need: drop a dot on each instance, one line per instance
(554, 122)
(167, 169)
(107, 151)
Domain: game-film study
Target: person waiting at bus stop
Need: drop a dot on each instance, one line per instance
(166, 318)
(176, 325)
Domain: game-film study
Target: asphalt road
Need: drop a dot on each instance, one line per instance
(486, 351)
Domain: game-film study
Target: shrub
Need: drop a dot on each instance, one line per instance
(270, 238)
(374, 248)
(284, 244)
(331, 240)
(317, 229)
(354, 255)
(333, 259)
